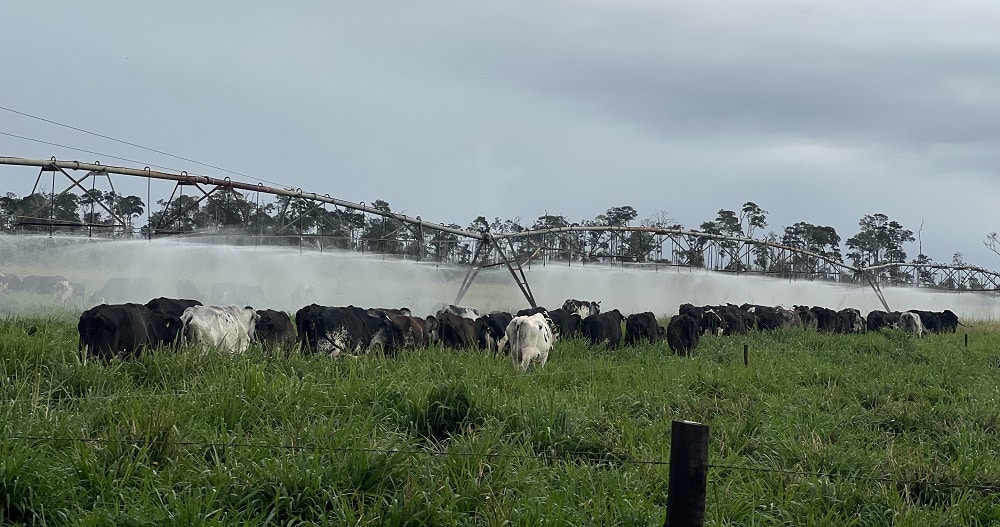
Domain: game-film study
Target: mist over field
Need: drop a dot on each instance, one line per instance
(288, 280)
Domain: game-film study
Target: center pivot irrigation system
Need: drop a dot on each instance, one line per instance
(489, 247)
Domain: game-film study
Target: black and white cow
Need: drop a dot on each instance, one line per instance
(910, 323)
(603, 328)
(641, 327)
(531, 339)
(850, 321)
(337, 331)
(584, 308)
(171, 306)
(490, 329)
(462, 311)
(683, 334)
(124, 330)
(226, 328)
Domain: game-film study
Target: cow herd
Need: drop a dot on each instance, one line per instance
(527, 337)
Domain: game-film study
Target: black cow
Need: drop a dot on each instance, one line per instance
(737, 321)
(878, 319)
(604, 328)
(274, 330)
(826, 319)
(683, 334)
(584, 308)
(938, 321)
(642, 327)
(527, 312)
(124, 330)
(171, 306)
(567, 324)
(336, 331)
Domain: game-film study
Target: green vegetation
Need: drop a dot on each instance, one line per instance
(879, 429)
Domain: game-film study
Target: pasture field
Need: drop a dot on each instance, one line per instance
(877, 429)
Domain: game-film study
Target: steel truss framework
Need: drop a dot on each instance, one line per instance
(548, 246)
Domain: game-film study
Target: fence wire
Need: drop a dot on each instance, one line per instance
(606, 459)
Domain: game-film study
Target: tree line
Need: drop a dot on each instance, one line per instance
(294, 221)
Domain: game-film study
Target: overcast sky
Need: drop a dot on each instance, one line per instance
(817, 111)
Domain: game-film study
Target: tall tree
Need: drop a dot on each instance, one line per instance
(880, 241)
(821, 240)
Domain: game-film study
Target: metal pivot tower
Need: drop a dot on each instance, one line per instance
(484, 247)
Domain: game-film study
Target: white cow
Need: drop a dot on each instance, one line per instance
(910, 323)
(228, 328)
(530, 339)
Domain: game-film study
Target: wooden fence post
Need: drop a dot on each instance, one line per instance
(688, 474)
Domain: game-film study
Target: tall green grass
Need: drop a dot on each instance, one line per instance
(876, 429)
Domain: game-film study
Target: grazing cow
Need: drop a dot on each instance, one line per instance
(939, 321)
(228, 293)
(63, 291)
(711, 323)
(171, 306)
(530, 338)
(42, 285)
(124, 330)
(567, 324)
(335, 331)
(584, 308)
(531, 311)
(642, 327)
(604, 328)
(9, 283)
(850, 321)
(455, 331)
(826, 319)
(375, 311)
(769, 318)
(123, 289)
(807, 319)
(431, 330)
(229, 328)
(462, 311)
(408, 332)
(683, 334)
(274, 330)
(736, 321)
(878, 319)
(910, 323)
(490, 329)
